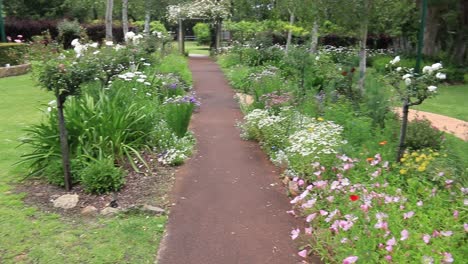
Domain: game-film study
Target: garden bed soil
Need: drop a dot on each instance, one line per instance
(140, 189)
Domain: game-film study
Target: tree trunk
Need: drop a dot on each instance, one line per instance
(459, 51)
(181, 37)
(431, 30)
(291, 23)
(404, 126)
(218, 34)
(314, 37)
(363, 55)
(109, 8)
(64, 144)
(125, 16)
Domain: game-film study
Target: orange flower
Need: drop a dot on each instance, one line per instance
(369, 159)
(383, 143)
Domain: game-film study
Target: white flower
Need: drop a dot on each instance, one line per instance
(407, 81)
(432, 88)
(147, 83)
(441, 76)
(427, 69)
(129, 36)
(109, 43)
(406, 76)
(140, 80)
(96, 52)
(75, 42)
(94, 45)
(395, 60)
(398, 69)
(436, 66)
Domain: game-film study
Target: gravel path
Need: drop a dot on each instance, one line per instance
(230, 206)
(457, 127)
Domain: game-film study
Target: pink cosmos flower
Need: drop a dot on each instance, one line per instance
(426, 238)
(388, 258)
(350, 260)
(391, 242)
(404, 235)
(310, 217)
(295, 233)
(309, 187)
(310, 203)
(304, 194)
(301, 182)
(435, 233)
(447, 258)
(408, 215)
(291, 212)
(389, 248)
(455, 214)
(323, 212)
(308, 230)
(365, 208)
(303, 253)
(381, 225)
(465, 226)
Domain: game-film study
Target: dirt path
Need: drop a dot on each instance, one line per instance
(457, 127)
(229, 203)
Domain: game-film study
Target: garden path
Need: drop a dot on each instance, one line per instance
(229, 203)
(457, 127)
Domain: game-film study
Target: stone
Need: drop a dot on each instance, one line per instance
(89, 211)
(109, 211)
(293, 188)
(153, 209)
(66, 201)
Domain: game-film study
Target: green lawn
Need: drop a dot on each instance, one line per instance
(192, 48)
(30, 236)
(450, 101)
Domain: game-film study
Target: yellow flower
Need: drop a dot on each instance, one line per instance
(403, 171)
(423, 156)
(418, 159)
(414, 154)
(311, 129)
(421, 168)
(403, 159)
(320, 119)
(405, 155)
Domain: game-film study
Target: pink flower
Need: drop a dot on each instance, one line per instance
(391, 242)
(465, 226)
(389, 248)
(344, 240)
(365, 208)
(295, 233)
(420, 203)
(404, 235)
(381, 225)
(291, 212)
(426, 238)
(301, 182)
(455, 214)
(435, 233)
(408, 215)
(303, 253)
(427, 260)
(330, 198)
(308, 230)
(17, 40)
(446, 233)
(350, 260)
(388, 258)
(323, 212)
(310, 217)
(447, 258)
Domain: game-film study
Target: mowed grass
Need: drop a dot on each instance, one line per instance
(450, 101)
(30, 236)
(193, 48)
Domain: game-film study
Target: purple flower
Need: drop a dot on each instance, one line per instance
(173, 86)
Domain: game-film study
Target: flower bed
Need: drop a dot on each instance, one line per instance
(15, 70)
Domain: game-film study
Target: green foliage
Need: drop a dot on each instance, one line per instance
(53, 172)
(178, 113)
(176, 64)
(12, 53)
(202, 33)
(68, 30)
(421, 134)
(101, 176)
(154, 26)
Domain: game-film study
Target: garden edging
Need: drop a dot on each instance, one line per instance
(14, 70)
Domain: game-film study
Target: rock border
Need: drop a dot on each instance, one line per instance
(15, 70)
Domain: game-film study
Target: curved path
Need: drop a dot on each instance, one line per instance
(229, 203)
(457, 127)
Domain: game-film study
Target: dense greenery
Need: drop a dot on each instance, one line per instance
(337, 145)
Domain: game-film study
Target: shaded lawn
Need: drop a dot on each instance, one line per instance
(192, 48)
(450, 101)
(30, 236)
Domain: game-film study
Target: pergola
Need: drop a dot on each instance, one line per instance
(212, 10)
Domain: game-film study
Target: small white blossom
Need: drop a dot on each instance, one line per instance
(395, 60)
(432, 88)
(441, 76)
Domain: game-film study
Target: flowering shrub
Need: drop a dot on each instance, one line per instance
(208, 9)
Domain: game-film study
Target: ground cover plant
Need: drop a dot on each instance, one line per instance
(337, 148)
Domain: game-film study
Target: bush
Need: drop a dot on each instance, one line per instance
(97, 32)
(54, 171)
(29, 28)
(68, 30)
(101, 176)
(178, 113)
(202, 33)
(421, 134)
(12, 53)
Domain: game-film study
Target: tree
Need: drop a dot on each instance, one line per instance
(109, 9)
(125, 16)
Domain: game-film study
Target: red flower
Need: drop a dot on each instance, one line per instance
(354, 197)
(344, 73)
(353, 70)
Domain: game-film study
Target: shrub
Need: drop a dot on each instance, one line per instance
(101, 176)
(54, 171)
(29, 28)
(202, 33)
(68, 30)
(421, 134)
(12, 53)
(178, 113)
